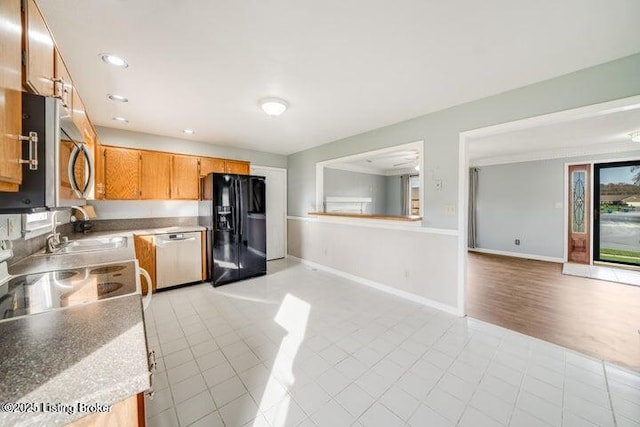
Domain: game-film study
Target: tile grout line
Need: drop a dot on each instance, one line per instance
(606, 381)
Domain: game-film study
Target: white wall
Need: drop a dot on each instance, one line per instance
(423, 264)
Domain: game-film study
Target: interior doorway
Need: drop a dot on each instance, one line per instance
(276, 208)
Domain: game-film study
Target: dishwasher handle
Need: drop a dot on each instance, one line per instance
(146, 301)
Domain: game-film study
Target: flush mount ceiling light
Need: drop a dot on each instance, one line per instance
(189, 131)
(118, 98)
(120, 119)
(635, 136)
(273, 106)
(114, 60)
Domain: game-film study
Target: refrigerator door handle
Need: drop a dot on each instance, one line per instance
(241, 211)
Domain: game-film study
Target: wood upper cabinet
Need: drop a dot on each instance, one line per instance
(122, 173)
(236, 167)
(98, 179)
(39, 58)
(185, 177)
(211, 165)
(146, 256)
(10, 95)
(155, 175)
(63, 84)
(81, 120)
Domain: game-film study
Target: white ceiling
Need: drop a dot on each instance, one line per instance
(395, 162)
(600, 133)
(344, 66)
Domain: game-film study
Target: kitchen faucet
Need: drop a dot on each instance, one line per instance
(85, 214)
(54, 242)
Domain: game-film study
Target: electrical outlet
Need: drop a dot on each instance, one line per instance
(4, 233)
(450, 209)
(517, 242)
(406, 273)
(11, 225)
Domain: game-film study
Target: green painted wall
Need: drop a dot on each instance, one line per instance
(440, 132)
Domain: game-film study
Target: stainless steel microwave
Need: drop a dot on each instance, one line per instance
(60, 168)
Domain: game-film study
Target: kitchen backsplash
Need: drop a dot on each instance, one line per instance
(141, 223)
(132, 209)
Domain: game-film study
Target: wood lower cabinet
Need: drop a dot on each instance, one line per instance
(211, 165)
(10, 96)
(185, 178)
(146, 256)
(126, 413)
(236, 167)
(122, 173)
(39, 57)
(155, 175)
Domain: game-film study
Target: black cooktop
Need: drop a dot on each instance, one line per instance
(35, 293)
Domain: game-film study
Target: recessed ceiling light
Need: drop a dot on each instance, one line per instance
(635, 136)
(120, 119)
(273, 106)
(114, 60)
(189, 131)
(118, 98)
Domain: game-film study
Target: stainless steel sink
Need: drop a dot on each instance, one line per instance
(96, 244)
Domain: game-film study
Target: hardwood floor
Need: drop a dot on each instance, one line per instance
(533, 297)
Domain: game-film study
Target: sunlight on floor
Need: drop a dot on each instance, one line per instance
(293, 317)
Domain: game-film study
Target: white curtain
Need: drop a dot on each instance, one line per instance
(473, 207)
(405, 195)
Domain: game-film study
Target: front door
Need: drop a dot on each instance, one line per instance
(579, 239)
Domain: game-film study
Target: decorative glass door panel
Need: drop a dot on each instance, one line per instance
(579, 226)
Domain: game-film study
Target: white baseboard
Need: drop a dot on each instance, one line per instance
(517, 255)
(382, 287)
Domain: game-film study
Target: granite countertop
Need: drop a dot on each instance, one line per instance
(87, 354)
(41, 262)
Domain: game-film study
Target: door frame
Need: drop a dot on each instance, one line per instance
(284, 208)
(465, 138)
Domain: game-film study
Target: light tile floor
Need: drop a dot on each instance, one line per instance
(602, 272)
(303, 347)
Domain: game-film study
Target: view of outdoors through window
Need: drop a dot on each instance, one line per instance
(619, 224)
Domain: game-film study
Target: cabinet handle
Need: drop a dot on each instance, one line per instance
(152, 368)
(32, 139)
(60, 92)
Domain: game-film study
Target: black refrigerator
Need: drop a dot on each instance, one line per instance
(232, 209)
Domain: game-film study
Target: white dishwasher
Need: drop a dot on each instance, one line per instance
(178, 259)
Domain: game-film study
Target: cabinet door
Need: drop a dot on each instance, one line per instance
(155, 175)
(64, 83)
(38, 76)
(98, 180)
(211, 165)
(10, 96)
(237, 167)
(185, 178)
(122, 174)
(146, 256)
(81, 120)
